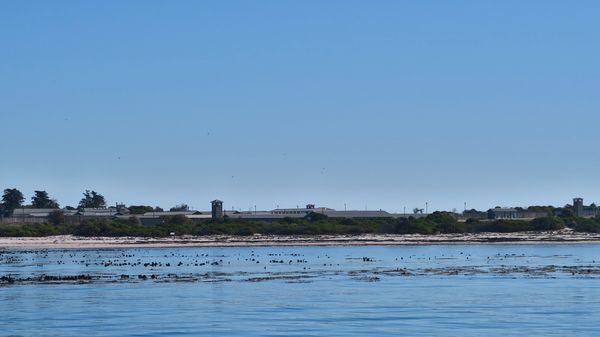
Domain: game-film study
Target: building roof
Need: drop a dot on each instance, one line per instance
(504, 209)
(199, 216)
(316, 209)
(39, 212)
(99, 210)
(168, 213)
(33, 210)
(358, 214)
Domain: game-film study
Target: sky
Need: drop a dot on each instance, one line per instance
(369, 104)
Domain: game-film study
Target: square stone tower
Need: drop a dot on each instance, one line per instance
(578, 207)
(217, 209)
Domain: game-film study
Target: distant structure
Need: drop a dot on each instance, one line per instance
(504, 213)
(121, 209)
(578, 207)
(310, 208)
(218, 213)
(217, 209)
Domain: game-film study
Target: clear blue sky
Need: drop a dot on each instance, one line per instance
(379, 103)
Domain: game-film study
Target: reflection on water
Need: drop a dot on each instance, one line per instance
(384, 290)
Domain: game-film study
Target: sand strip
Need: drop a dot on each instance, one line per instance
(75, 242)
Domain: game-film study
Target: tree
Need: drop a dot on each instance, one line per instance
(445, 222)
(567, 213)
(180, 208)
(288, 220)
(12, 199)
(547, 223)
(92, 199)
(474, 214)
(42, 200)
(140, 209)
(550, 210)
(133, 221)
(314, 217)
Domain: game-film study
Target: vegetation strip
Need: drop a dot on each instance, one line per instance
(435, 223)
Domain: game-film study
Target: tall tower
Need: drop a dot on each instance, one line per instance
(217, 209)
(578, 207)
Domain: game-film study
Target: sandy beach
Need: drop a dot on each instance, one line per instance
(75, 242)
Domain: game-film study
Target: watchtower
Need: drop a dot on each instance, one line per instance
(217, 209)
(578, 207)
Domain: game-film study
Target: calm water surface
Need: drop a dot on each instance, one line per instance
(450, 290)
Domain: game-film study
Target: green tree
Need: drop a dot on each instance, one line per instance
(567, 213)
(412, 225)
(288, 220)
(42, 200)
(92, 199)
(140, 209)
(548, 223)
(445, 222)
(314, 217)
(132, 221)
(180, 208)
(550, 210)
(12, 199)
(475, 214)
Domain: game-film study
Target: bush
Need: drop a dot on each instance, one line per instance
(547, 223)
(313, 217)
(438, 222)
(587, 225)
(503, 226)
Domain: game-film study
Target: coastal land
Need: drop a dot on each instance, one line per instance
(80, 242)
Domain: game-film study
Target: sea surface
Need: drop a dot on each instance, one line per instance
(443, 290)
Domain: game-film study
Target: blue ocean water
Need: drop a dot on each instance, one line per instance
(449, 290)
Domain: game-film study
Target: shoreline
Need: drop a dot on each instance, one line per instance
(75, 242)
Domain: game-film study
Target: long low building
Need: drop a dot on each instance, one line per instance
(39, 212)
(157, 218)
(281, 213)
